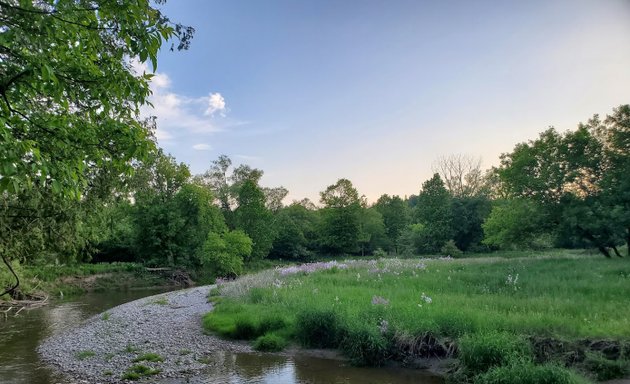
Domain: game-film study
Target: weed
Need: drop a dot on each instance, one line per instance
(82, 355)
(528, 373)
(270, 342)
(604, 369)
(184, 352)
(139, 371)
(481, 351)
(131, 349)
(105, 316)
(150, 357)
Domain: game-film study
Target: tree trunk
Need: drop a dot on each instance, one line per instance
(617, 251)
(628, 242)
(593, 240)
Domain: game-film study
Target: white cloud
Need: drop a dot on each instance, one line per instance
(202, 147)
(216, 103)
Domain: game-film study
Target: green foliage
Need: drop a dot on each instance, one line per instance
(371, 230)
(396, 217)
(450, 249)
(270, 342)
(515, 223)
(224, 254)
(253, 218)
(296, 237)
(578, 178)
(528, 373)
(480, 352)
(68, 109)
(469, 213)
(434, 212)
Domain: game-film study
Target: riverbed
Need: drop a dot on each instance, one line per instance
(21, 336)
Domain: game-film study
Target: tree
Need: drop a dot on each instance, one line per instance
(253, 218)
(469, 214)
(371, 230)
(69, 99)
(461, 174)
(296, 228)
(396, 217)
(339, 232)
(225, 252)
(578, 178)
(434, 212)
(516, 223)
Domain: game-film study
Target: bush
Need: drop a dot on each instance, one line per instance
(318, 328)
(225, 253)
(528, 373)
(379, 252)
(450, 249)
(270, 342)
(479, 352)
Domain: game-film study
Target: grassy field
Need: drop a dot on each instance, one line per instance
(557, 304)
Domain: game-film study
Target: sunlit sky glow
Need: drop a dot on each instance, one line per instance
(375, 91)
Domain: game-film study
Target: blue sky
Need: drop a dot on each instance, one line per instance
(375, 91)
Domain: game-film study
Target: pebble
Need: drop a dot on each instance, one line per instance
(169, 324)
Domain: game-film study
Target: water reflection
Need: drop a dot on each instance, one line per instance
(250, 368)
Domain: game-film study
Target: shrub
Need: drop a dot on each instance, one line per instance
(528, 373)
(479, 352)
(379, 252)
(450, 249)
(270, 342)
(318, 328)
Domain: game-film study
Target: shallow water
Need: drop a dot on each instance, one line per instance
(20, 363)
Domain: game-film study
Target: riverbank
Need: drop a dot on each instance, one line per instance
(69, 280)
(158, 336)
(563, 319)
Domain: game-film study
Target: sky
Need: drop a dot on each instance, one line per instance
(376, 91)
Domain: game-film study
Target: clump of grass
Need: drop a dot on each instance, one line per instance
(270, 342)
(82, 355)
(184, 352)
(366, 345)
(105, 316)
(150, 357)
(528, 373)
(160, 301)
(318, 328)
(130, 348)
(139, 371)
(481, 351)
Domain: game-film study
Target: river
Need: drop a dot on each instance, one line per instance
(20, 363)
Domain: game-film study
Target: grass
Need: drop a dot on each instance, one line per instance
(82, 355)
(150, 357)
(139, 371)
(372, 309)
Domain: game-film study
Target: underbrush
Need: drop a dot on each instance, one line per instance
(489, 312)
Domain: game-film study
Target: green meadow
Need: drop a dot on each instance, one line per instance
(567, 309)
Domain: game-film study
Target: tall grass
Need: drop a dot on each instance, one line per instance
(365, 307)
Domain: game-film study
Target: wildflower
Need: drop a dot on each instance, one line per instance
(378, 300)
(383, 326)
(277, 283)
(426, 298)
(358, 276)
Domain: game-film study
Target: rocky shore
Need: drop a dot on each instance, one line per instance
(162, 333)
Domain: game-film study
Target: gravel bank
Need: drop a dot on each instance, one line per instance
(169, 324)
